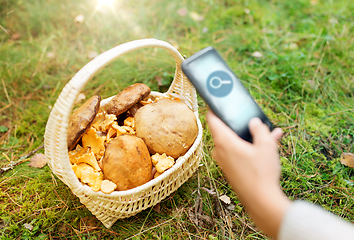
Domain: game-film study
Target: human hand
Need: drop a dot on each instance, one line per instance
(253, 170)
(248, 165)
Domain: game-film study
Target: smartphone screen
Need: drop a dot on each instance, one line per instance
(222, 91)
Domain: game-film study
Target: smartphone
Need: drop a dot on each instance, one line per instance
(223, 92)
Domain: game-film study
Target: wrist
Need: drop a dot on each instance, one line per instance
(267, 208)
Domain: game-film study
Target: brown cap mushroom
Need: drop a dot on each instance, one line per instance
(81, 119)
(167, 126)
(127, 162)
(127, 99)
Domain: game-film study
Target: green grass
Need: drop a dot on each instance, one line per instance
(304, 82)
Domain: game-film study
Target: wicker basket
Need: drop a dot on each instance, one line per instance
(108, 208)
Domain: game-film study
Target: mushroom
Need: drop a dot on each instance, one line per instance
(81, 120)
(128, 99)
(84, 155)
(157, 174)
(153, 172)
(100, 117)
(95, 140)
(116, 130)
(103, 121)
(129, 121)
(88, 175)
(167, 126)
(162, 162)
(108, 186)
(127, 162)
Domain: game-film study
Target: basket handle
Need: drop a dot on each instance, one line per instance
(180, 86)
(56, 129)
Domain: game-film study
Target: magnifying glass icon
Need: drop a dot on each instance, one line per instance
(217, 82)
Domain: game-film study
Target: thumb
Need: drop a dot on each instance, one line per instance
(259, 131)
(277, 133)
(221, 132)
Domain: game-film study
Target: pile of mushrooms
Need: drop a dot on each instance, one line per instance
(133, 139)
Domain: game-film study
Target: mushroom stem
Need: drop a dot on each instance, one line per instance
(134, 109)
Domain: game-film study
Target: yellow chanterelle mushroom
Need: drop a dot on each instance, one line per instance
(95, 142)
(88, 175)
(83, 155)
(162, 162)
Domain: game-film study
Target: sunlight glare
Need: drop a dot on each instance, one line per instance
(105, 3)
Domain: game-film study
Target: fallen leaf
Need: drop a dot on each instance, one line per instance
(39, 160)
(211, 192)
(347, 159)
(196, 17)
(15, 36)
(231, 207)
(293, 46)
(28, 226)
(317, 54)
(309, 176)
(159, 80)
(314, 2)
(88, 223)
(333, 21)
(79, 19)
(257, 54)
(92, 54)
(225, 199)
(312, 83)
(50, 55)
(182, 12)
(157, 208)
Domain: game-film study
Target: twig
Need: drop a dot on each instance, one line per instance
(13, 164)
(4, 29)
(7, 106)
(13, 200)
(9, 148)
(5, 90)
(347, 110)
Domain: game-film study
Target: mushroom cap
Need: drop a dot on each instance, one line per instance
(81, 119)
(162, 162)
(167, 126)
(127, 98)
(88, 175)
(84, 155)
(108, 186)
(127, 162)
(95, 142)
